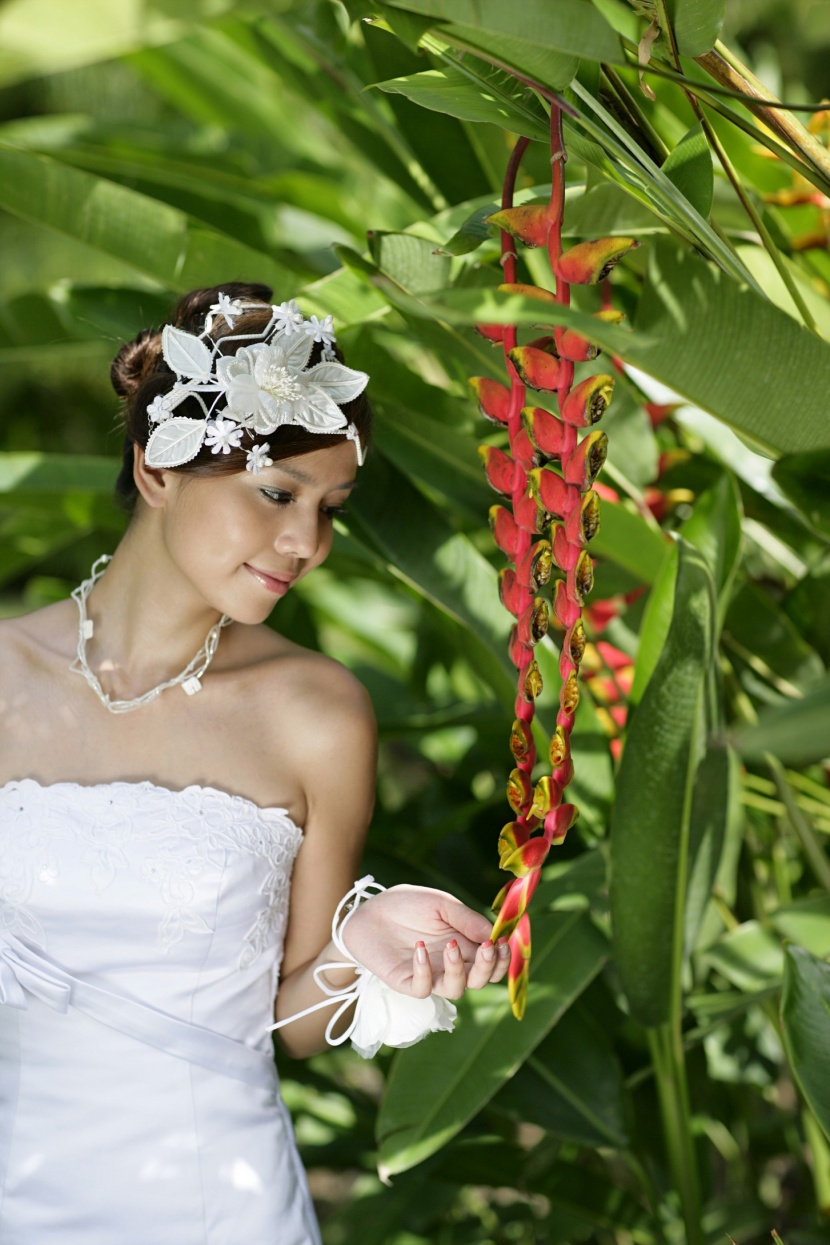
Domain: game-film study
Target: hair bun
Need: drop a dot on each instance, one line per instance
(134, 361)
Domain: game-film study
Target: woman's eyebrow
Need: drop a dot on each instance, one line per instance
(303, 478)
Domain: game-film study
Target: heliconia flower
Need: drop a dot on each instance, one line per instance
(582, 524)
(584, 465)
(530, 514)
(564, 607)
(542, 797)
(513, 597)
(587, 401)
(588, 263)
(521, 741)
(519, 795)
(518, 972)
(505, 530)
(559, 821)
(520, 654)
(569, 696)
(613, 657)
(575, 642)
(658, 411)
(492, 332)
(565, 553)
(532, 685)
(583, 575)
(511, 902)
(537, 368)
(559, 746)
(544, 429)
(549, 490)
(535, 567)
(499, 468)
(527, 856)
(528, 291)
(530, 223)
(572, 345)
(533, 622)
(493, 398)
(512, 836)
(524, 451)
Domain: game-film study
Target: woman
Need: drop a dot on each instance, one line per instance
(154, 879)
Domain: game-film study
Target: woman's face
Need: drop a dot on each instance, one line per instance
(242, 539)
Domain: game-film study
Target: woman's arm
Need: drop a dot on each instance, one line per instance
(416, 939)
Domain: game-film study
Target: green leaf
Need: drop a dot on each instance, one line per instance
(572, 1084)
(410, 261)
(798, 732)
(47, 36)
(450, 91)
(715, 528)
(55, 473)
(729, 369)
(689, 166)
(650, 827)
(432, 1092)
(696, 24)
(153, 238)
(569, 26)
(805, 479)
(805, 1020)
(539, 64)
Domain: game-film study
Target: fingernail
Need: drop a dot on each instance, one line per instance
(488, 950)
(420, 953)
(504, 949)
(453, 952)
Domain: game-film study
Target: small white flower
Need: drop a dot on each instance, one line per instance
(320, 330)
(328, 355)
(288, 318)
(227, 307)
(223, 435)
(159, 409)
(258, 458)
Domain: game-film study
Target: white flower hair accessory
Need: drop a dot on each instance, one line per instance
(259, 389)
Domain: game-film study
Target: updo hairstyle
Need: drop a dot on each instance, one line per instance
(139, 374)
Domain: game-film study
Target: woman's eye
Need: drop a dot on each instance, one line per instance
(336, 512)
(277, 497)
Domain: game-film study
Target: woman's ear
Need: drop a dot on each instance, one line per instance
(155, 485)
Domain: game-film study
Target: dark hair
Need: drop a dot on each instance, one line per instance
(139, 374)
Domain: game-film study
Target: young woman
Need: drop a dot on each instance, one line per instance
(184, 797)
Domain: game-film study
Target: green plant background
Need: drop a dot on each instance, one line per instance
(666, 1083)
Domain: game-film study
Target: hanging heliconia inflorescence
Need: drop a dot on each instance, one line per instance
(547, 520)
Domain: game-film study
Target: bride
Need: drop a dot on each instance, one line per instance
(184, 801)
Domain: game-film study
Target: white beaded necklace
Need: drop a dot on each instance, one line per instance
(189, 677)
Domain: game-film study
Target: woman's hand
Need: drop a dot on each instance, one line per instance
(422, 941)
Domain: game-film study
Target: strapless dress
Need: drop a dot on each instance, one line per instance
(141, 935)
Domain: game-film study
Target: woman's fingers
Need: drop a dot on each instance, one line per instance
(421, 986)
(455, 971)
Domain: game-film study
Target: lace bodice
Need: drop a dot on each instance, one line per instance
(196, 877)
(141, 936)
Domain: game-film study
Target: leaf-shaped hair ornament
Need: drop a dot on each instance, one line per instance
(185, 354)
(175, 442)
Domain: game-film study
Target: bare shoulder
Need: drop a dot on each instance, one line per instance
(32, 640)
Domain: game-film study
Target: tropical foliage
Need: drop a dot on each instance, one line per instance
(668, 1079)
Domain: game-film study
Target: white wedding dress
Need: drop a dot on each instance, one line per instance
(141, 934)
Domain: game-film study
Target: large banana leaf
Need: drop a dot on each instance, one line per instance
(805, 1020)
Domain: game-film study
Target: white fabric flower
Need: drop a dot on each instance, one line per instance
(288, 318)
(267, 386)
(159, 408)
(320, 330)
(228, 307)
(258, 458)
(222, 435)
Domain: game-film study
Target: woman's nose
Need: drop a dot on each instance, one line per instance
(299, 533)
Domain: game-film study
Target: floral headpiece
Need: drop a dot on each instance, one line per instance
(262, 386)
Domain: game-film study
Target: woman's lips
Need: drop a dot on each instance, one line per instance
(279, 586)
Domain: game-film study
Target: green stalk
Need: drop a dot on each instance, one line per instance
(670, 1070)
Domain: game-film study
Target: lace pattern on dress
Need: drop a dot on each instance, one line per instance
(193, 829)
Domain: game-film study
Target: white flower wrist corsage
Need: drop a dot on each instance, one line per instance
(382, 1016)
